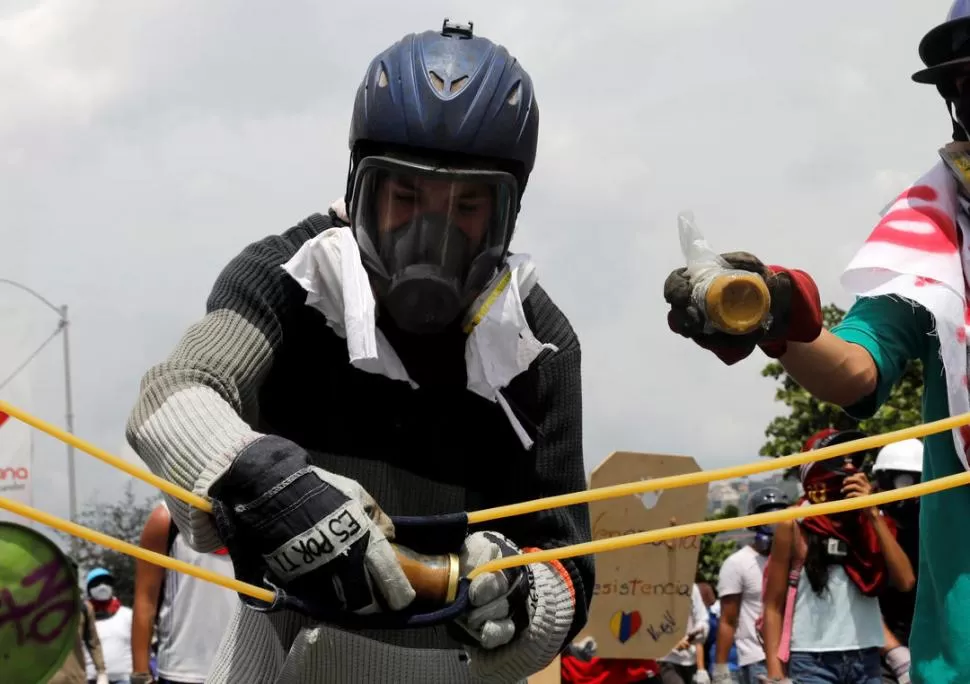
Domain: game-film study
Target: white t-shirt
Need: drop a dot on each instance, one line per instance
(699, 621)
(742, 574)
(115, 636)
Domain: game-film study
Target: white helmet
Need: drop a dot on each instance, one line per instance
(906, 455)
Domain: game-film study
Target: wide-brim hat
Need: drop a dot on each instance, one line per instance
(945, 51)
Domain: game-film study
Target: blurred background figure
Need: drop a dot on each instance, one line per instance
(899, 465)
(86, 646)
(187, 616)
(113, 623)
(680, 666)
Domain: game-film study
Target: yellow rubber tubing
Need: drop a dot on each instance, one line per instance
(714, 526)
(570, 499)
(703, 477)
(110, 542)
(119, 463)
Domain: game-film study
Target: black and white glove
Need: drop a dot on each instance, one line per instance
(519, 617)
(316, 535)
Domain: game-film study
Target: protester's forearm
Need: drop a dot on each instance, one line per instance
(832, 369)
(772, 632)
(900, 570)
(725, 639)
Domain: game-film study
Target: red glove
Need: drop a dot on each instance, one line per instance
(796, 311)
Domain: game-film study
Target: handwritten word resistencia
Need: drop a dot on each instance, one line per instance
(641, 587)
(30, 619)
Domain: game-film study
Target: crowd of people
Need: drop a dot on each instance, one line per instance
(819, 600)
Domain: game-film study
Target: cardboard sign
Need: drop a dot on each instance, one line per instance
(642, 597)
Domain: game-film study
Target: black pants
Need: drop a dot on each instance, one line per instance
(676, 674)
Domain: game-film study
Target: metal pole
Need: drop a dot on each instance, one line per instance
(69, 407)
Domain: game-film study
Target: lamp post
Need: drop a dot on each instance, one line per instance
(62, 326)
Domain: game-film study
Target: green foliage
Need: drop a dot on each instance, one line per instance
(123, 520)
(787, 434)
(713, 553)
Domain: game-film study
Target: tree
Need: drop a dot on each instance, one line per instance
(123, 520)
(807, 415)
(713, 553)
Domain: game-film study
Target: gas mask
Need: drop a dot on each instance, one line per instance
(430, 238)
(102, 592)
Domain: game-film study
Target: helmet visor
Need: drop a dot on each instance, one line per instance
(451, 223)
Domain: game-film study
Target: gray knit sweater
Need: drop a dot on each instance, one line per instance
(262, 362)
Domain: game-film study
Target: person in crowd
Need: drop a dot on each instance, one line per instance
(740, 582)
(899, 464)
(680, 666)
(830, 631)
(713, 603)
(87, 647)
(187, 615)
(113, 622)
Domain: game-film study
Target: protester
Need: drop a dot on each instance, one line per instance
(740, 582)
(910, 279)
(680, 666)
(900, 464)
(394, 358)
(710, 645)
(837, 566)
(113, 622)
(87, 647)
(188, 615)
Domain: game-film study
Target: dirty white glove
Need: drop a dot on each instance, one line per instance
(701, 677)
(520, 617)
(898, 660)
(102, 678)
(722, 674)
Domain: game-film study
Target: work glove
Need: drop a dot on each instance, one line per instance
(722, 674)
(584, 650)
(519, 618)
(701, 677)
(318, 536)
(796, 311)
(102, 679)
(898, 660)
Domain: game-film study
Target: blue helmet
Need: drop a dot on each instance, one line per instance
(98, 573)
(443, 139)
(447, 92)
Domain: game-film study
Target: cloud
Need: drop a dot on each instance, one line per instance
(143, 144)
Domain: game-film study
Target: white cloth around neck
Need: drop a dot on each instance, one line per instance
(500, 346)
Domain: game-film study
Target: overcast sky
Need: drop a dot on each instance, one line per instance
(143, 144)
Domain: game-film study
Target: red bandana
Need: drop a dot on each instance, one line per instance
(865, 565)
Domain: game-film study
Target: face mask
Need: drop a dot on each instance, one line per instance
(427, 259)
(102, 592)
(764, 535)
